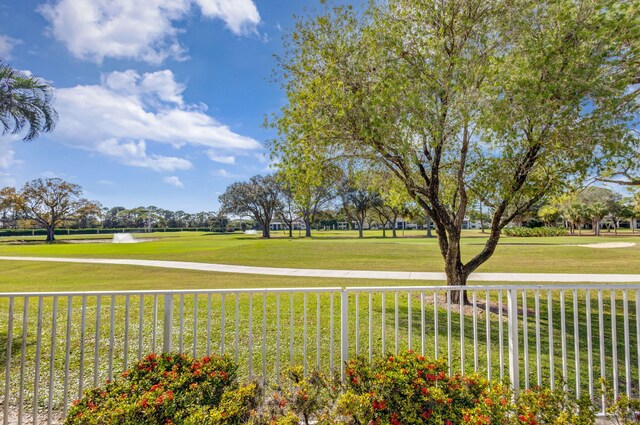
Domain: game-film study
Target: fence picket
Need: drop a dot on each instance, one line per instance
(107, 350)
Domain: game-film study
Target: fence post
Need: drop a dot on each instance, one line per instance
(168, 323)
(344, 330)
(514, 356)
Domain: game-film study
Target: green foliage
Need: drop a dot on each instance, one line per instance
(624, 410)
(298, 399)
(549, 214)
(257, 198)
(528, 232)
(26, 102)
(409, 389)
(503, 100)
(621, 410)
(546, 407)
(235, 407)
(165, 389)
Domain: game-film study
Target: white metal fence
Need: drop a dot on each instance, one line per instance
(56, 345)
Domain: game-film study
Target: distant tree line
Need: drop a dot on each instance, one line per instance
(594, 208)
(346, 196)
(376, 199)
(54, 203)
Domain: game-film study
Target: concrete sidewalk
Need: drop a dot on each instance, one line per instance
(345, 274)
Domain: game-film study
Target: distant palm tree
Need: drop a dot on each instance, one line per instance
(26, 102)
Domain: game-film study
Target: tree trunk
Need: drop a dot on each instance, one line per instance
(384, 230)
(454, 269)
(429, 234)
(307, 226)
(393, 226)
(265, 232)
(360, 225)
(51, 236)
(291, 230)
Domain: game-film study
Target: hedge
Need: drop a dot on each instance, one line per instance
(528, 232)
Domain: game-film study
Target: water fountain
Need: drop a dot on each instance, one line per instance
(123, 238)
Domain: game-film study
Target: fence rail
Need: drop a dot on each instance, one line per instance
(56, 345)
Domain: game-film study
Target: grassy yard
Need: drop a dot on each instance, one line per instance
(122, 334)
(129, 327)
(340, 250)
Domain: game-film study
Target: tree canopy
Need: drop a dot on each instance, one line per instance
(257, 198)
(502, 100)
(50, 203)
(26, 103)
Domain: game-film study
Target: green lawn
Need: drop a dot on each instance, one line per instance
(331, 250)
(340, 250)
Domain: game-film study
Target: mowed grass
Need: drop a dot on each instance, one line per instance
(122, 334)
(266, 332)
(342, 250)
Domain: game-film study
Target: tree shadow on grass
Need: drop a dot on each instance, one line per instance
(16, 348)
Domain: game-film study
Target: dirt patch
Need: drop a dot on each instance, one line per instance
(481, 306)
(27, 415)
(607, 245)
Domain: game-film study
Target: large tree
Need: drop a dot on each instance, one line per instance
(8, 207)
(51, 203)
(257, 198)
(507, 100)
(26, 103)
(357, 200)
(308, 176)
(392, 200)
(597, 201)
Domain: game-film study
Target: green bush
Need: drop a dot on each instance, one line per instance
(393, 390)
(169, 389)
(529, 232)
(409, 389)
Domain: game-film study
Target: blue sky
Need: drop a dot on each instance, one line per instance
(161, 102)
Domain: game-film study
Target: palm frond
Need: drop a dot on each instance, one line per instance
(26, 103)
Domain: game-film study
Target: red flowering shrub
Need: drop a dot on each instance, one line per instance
(394, 390)
(160, 389)
(408, 389)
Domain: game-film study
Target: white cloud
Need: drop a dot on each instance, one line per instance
(7, 157)
(135, 154)
(261, 157)
(240, 16)
(221, 172)
(105, 182)
(6, 46)
(137, 29)
(127, 112)
(6, 180)
(223, 159)
(53, 175)
(173, 181)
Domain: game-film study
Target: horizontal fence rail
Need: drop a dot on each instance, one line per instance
(58, 345)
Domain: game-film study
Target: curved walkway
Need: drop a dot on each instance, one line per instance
(344, 274)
